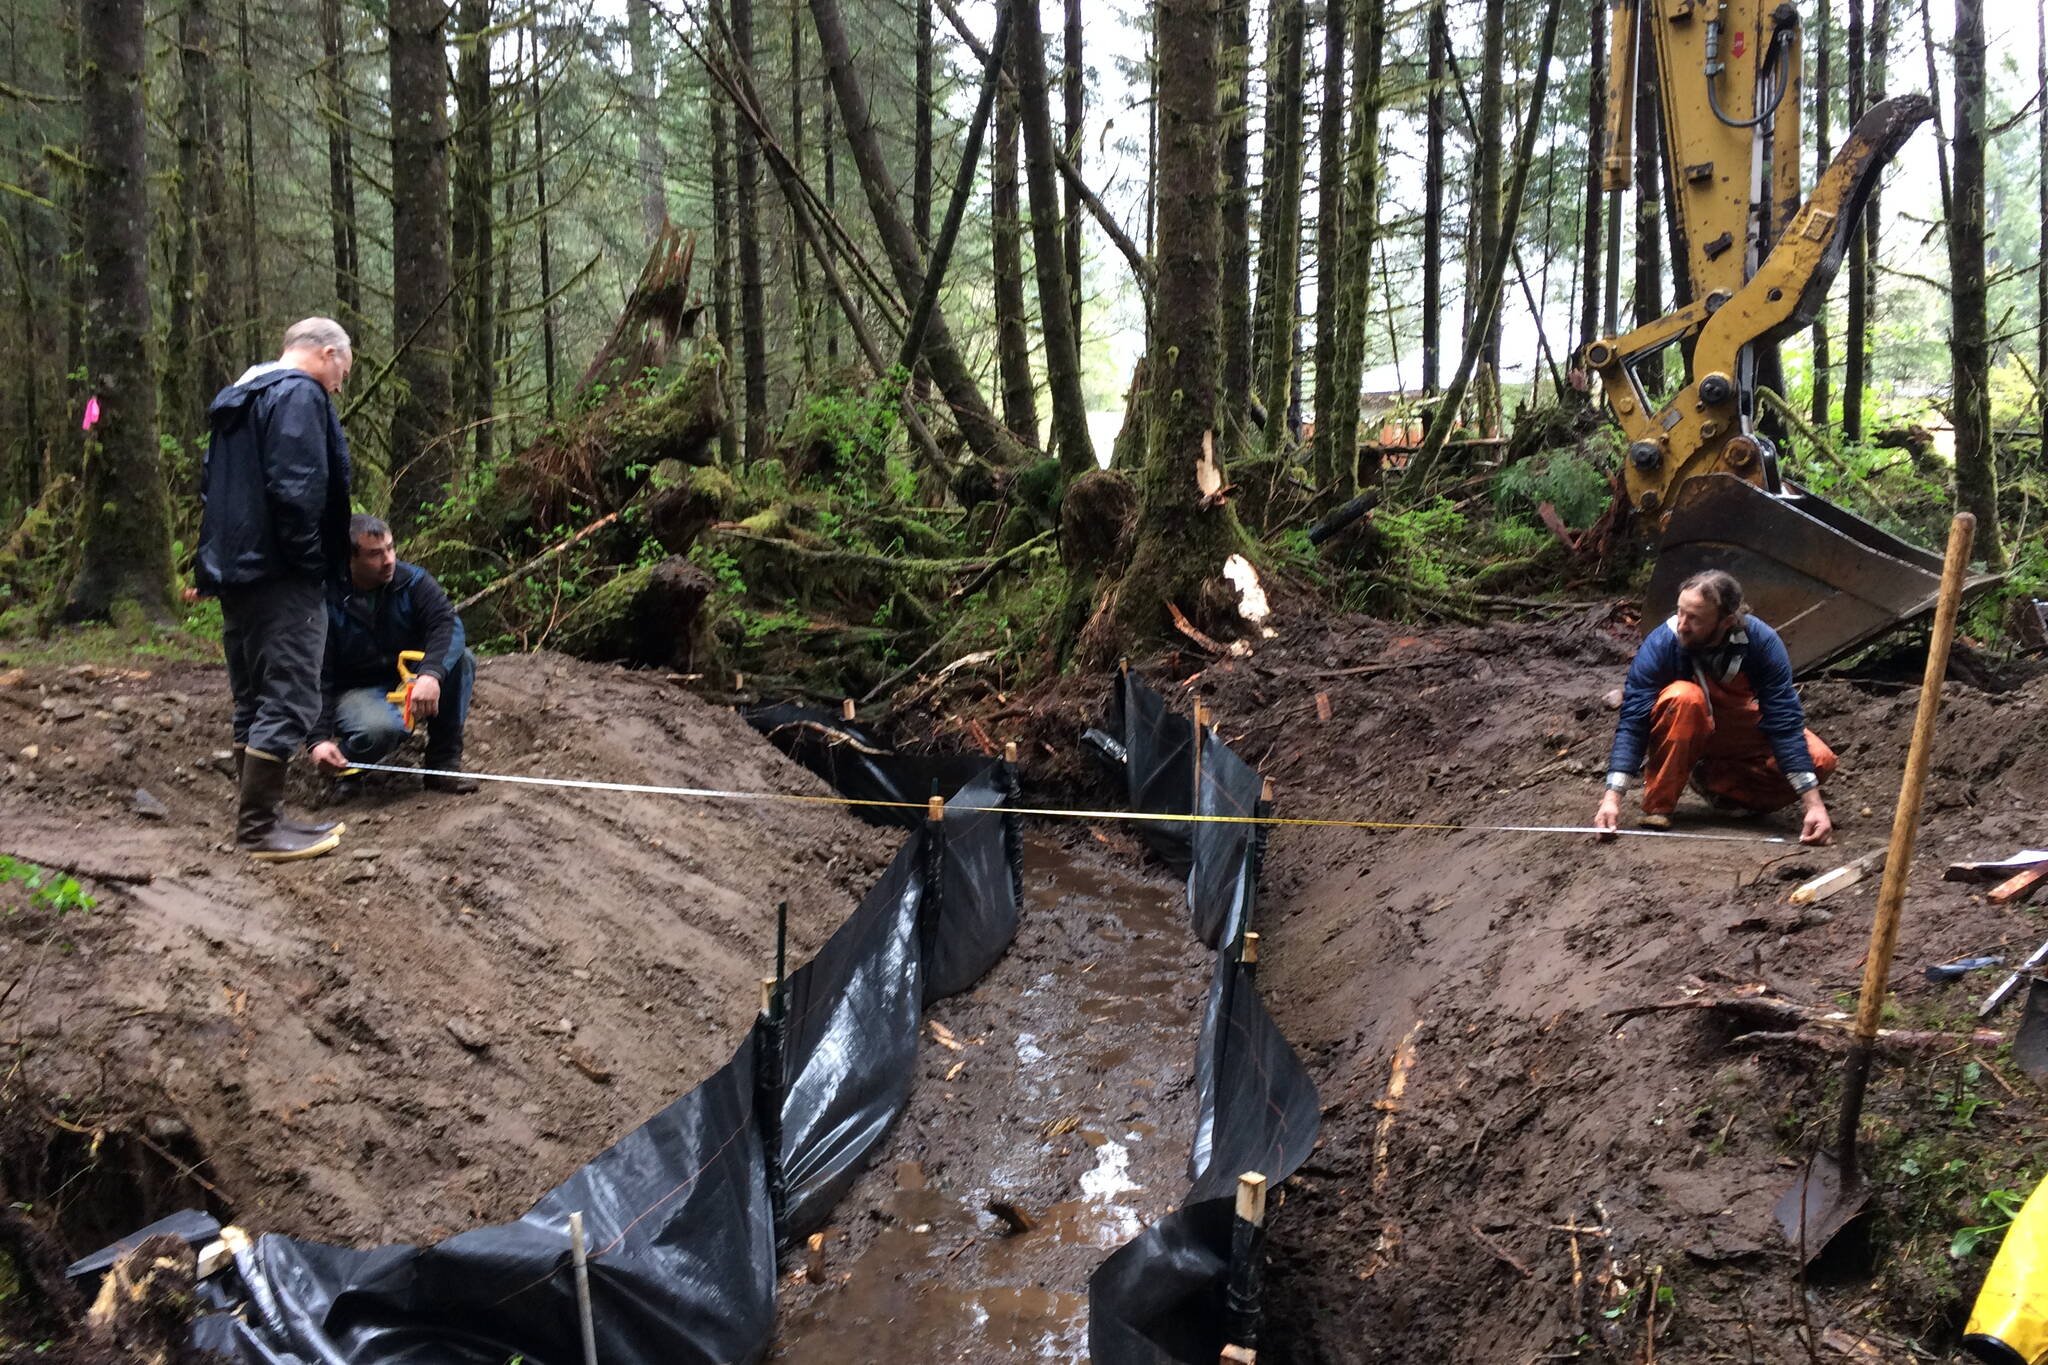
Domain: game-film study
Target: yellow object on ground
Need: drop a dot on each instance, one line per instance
(401, 695)
(2009, 1324)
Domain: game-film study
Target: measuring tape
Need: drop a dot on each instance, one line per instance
(717, 794)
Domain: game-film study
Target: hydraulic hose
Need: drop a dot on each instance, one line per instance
(1771, 58)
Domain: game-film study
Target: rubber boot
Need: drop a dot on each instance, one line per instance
(448, 761)
(295, 826)
(259, 828)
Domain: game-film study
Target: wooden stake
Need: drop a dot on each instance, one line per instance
(1841, 879)
(767, 994)
(1323, 707)
(2016, 888)
(1249, 954)
(581, 1261)
(935, 808)
(1266, 791)
(846, 709)
(1251, 1198)
(814, 1258)
(739, 682)
(1010, 751)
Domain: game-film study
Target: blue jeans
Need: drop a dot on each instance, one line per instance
(369, 728)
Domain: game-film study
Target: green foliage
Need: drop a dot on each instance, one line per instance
(1563, 478)
(1420, 541)
(24, 885)
(2003, 1205)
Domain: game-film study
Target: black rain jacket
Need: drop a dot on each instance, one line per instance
(275, 484)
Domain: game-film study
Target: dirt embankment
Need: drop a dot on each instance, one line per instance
(1434, 1222)
(423, 1031)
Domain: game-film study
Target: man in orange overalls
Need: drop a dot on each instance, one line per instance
(1710, 700)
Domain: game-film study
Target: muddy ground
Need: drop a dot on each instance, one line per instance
(1058, 1086)
(421, 1032)
(299, 1045)
(1433, 1223)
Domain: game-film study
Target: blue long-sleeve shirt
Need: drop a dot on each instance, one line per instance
(1752, 657)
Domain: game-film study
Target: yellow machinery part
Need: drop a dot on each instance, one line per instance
(2009, 1323)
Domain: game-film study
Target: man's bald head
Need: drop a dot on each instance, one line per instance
(321, 348)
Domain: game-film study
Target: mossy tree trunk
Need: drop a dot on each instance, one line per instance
(1361, 221)
(423, 465)
(1006, 246)
(1970, 344)
(1329, 236)
(1237, 218)
(1182, 537)
(125, 556)
(1280, 218)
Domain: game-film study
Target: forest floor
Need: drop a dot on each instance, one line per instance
(372, 1046)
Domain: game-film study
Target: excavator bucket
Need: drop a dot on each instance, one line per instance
(1826, 580)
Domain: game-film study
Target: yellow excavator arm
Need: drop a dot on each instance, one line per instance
(1758, 262)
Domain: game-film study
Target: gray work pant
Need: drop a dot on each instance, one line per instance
(275, 636)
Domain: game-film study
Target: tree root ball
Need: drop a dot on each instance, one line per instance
(1096, 517)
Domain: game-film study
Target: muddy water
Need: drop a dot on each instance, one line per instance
(1067, 1098)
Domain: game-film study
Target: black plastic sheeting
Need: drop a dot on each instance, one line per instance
(678, 1216)
(857, 765)
(1161, 1297)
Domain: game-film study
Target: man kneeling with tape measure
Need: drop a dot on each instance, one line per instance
(395, 660)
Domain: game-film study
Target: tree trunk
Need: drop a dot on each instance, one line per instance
(124, 562)
(1055, 315)
(1970, 346)
(1856, 329)
(1237, 228)
(1074, 93)
(1823, 110)
(545, 235)
(1280, 216)
(653, 160)
(1649, 254)
(829, 149)
(472, 228)
(254, 341)
(1489, 140)
(423, 465)
(1330, 458)
(747, 229)
(1590, 311)
(722, 290)
(1433, 205)
(1182, 538)
(984, 434)
(804, 311)
(341, 183)
(197, 366)
(1013, 334)
(1361, 214)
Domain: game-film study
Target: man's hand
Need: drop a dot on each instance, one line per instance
(1816, 827)
(1607, 819)
(327, 754)
(426, 697)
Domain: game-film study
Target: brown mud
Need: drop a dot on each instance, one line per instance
(369, 1048)
(1433, 1221)
(1067, 1098)
(421, 1032)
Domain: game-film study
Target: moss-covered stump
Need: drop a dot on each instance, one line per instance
(679, 420)
(652, 616)
(684, 501)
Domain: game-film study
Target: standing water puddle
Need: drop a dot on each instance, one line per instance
(1067, 1099)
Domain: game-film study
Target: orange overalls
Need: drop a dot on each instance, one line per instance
(1707, 731)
